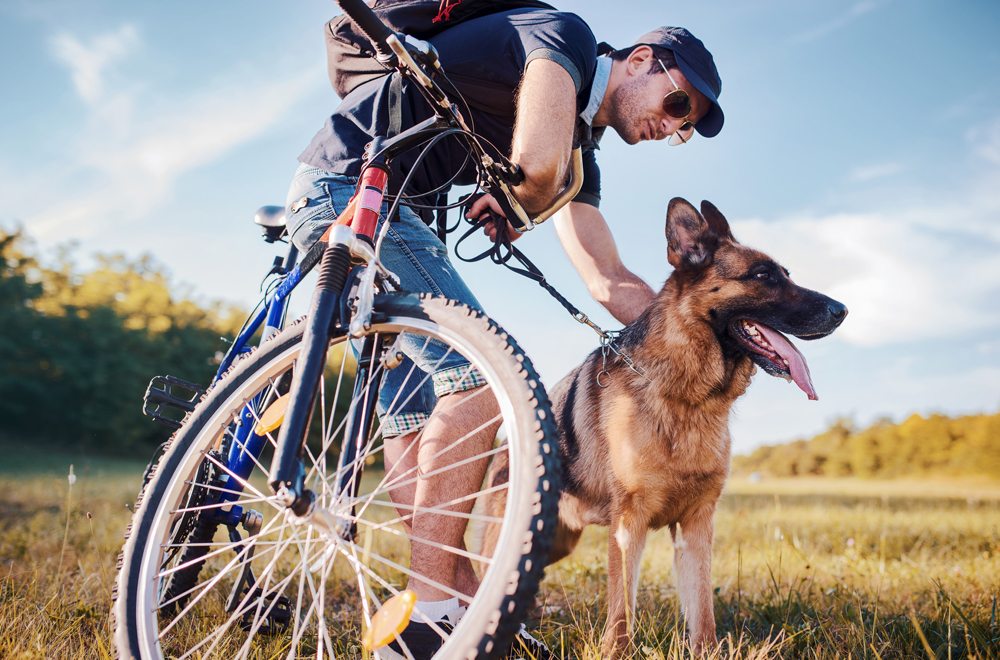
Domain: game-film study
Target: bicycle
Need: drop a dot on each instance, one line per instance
(322, 526)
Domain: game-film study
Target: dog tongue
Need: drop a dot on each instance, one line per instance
(796, 363)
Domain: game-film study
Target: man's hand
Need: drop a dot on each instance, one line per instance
(486, 205)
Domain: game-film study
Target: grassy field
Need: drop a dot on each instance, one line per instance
(802, 569)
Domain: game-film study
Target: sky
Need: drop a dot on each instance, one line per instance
(861, 150)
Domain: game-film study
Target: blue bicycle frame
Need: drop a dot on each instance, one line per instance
(246, 446)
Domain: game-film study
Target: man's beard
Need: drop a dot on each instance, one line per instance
(626, 108)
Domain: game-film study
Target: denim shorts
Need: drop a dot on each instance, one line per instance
(420, 260)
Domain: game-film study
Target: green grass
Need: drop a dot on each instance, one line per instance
(813, 569)
(802, 569)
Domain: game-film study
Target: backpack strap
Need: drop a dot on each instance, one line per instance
(604, 48)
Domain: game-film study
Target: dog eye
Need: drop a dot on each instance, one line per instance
(763, 275)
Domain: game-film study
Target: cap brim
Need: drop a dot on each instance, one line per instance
(709, 125)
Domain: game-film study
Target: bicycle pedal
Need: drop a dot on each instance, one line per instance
(276, 610)
(169, 398)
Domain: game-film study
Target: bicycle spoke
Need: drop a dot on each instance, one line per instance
(243, 482)
(441, 470)
(394, 405)
(275, 594)
(220, 505)
(406, 571)
(395, 483)
(441, 508)
(240, 610)
(218, 489)
(299, 629)
(394, 591)
(417, 539)
(239, 554)
(416, 442)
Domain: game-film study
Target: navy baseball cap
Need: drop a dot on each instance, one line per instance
(697, 65)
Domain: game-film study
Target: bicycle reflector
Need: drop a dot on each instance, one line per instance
(273, 416)
(390, 620)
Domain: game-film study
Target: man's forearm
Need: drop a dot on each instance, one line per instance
(588, 242)
(625, 298)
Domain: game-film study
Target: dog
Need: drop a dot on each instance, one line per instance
(649, 446)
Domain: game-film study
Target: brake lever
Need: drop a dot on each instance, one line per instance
(422, 52)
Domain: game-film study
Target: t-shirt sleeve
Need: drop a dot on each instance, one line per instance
(590, 192)
(565, 39)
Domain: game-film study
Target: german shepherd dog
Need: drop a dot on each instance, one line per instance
(649, 447)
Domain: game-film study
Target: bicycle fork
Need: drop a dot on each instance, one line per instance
(287, 478)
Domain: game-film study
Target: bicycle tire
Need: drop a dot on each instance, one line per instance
(509, 584)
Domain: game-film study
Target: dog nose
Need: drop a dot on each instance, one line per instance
(837, 310)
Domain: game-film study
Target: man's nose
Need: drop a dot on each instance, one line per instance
(669, 125)
(663, 129)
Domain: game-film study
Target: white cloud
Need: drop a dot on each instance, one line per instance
(140, 138)
(985, 141)
(88, 62)
(867, 173)
(905, 274)
(856, 11)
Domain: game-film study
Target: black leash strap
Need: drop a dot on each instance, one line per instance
(502, 252)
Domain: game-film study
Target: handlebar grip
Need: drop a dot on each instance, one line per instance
(367, 22)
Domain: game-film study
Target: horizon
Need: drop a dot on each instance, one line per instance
(855, 152)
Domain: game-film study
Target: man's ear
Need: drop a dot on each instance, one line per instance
(691, 240)
(640, 59)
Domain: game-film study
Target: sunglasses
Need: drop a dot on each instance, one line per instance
(677, 104)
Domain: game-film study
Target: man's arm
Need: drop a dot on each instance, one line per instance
(543, 139)
(588, 242)
(543, 132)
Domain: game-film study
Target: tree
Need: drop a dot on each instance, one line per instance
(80, 347)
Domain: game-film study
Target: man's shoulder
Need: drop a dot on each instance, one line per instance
(529, 22)
(565, 23)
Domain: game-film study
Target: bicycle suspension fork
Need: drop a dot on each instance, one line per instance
(288, 469)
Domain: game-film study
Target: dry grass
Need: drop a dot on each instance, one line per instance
(802, 569)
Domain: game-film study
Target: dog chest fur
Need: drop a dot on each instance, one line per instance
(628, 448)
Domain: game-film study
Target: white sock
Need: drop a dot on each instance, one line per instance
(438, 610)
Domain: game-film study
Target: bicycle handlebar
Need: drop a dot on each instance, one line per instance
(366, 20)
(390, 47)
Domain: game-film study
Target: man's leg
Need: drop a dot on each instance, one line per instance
(420, 260)
(464, 425)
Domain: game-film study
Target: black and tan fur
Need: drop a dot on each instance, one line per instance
(641, 452)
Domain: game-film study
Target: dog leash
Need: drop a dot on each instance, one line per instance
(503, 251)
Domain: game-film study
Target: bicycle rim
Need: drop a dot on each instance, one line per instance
(313, 592)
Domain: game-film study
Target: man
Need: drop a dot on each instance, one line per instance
(666, 85)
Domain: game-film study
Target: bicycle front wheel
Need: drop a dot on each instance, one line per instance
(274, 585)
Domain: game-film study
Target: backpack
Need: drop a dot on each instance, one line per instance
(349, 54)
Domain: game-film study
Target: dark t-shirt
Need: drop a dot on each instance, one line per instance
(485, 59)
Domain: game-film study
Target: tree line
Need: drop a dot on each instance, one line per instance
(78, 347)
(919, 446)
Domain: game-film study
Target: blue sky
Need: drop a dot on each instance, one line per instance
(861, 149)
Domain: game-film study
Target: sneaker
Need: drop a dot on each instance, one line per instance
(420, 640)
(527, 647)
(423, 642)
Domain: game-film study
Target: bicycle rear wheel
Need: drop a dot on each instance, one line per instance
(187, 589)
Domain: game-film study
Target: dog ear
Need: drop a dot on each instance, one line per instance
(716, 220)
(691, 241)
